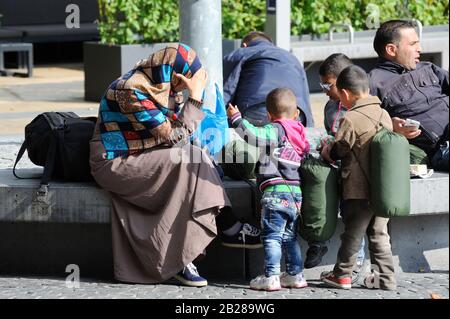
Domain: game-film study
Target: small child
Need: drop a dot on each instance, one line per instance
(329, 71)
(351, 146)
(334, 111)
(279, 181)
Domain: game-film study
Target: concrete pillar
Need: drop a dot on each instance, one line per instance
(201, 28)
(444, 59)
(278, 22)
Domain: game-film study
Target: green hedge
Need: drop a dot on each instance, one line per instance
(138, 21)
(316, 16)
(149, 21)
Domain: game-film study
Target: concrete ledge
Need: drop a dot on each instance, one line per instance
(430, 195)
(81, 202)
(87, 203)
(76, 231)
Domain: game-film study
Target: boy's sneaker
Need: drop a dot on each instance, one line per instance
(296, 281)
(247, 237)
(330, 279)
(189, 277)
(262, 282)
(314, 255)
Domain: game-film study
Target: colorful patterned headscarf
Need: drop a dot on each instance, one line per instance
(135, 111)
(161, 66)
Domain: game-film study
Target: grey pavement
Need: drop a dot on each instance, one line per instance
(410, 286)
(9, 147)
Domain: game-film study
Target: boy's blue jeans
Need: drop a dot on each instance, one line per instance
(279, 232)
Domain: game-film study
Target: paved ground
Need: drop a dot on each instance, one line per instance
(9, 147)
(52, 88)
(410, 286)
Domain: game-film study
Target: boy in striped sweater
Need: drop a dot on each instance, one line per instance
(278, 178)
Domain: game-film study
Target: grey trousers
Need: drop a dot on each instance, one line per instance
(359, 220)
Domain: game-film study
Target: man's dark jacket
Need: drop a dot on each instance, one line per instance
(251, 73)
(420, 94)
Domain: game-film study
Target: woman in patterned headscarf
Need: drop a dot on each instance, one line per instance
(162, 209)
(136, 113)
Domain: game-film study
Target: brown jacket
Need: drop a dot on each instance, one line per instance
(356, 130)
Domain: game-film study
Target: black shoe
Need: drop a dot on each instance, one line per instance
(189, 277)
(248, 237)
(314, 255)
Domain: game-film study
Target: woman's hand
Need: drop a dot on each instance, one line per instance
(231, 110)
(196, 84)
(399, 127)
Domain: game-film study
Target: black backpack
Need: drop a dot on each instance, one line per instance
(59, 141)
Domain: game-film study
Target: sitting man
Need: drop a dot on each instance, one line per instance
(257, 68)
(250, 73)
(410, 89)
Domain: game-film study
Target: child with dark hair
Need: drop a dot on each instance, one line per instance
(333, 113)
(351, 146)
(278, 179)
(329, 71)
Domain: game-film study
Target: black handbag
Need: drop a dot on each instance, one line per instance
(58, 141)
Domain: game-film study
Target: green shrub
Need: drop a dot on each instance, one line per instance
(149, 21)
(241, 17)
(316, 16)
(138, 21)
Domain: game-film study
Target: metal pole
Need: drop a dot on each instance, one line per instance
(278, 22)
(201, 28)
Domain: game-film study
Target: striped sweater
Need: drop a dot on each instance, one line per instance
(280, 156)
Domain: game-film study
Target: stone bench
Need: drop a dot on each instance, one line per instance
(81, 202)
(87, 203)
(76, 230)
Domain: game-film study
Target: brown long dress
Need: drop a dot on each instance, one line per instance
(163, 211)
